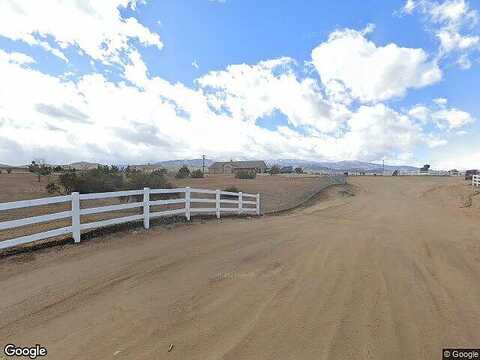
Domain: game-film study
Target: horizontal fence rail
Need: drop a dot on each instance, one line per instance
(235, 203)
(476, 180)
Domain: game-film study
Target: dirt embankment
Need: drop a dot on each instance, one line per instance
(392, 272)
(278, 193)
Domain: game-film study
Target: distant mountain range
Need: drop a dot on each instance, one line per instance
(305, 164)
(359, 166)
(179, 163)
(339, 165)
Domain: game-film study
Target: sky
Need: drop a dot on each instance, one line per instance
(129, 81)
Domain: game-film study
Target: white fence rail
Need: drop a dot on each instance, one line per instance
(232, 206)
(476, 180)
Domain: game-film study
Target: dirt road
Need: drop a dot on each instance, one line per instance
(390, 273)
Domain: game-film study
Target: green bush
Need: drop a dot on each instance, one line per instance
(155, 180)
(183, 172)
(232, 189)
(197, 174)
(140, 180)
(247, 174)
(53, 188)
(105, 179)
(102, 179)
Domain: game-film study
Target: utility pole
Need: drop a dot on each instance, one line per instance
(203, 164)
(383, 166)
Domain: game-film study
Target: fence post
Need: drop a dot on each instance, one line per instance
(217, 203)
(240, 202)
(187, 203)
(76, 217)
(258, 204)
(146, 208)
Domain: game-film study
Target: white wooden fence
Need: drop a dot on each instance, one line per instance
(233, 206)
(476, 180)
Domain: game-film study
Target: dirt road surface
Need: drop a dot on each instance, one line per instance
(390, 273)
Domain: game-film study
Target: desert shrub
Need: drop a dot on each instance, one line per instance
(53, 188)
(183, 172)
(102, 179)
(299, 170)
(246, 174)
(154, 180)
(233, 189)
(9, 171)
(197, 174)
(274, 170)
(140, 180)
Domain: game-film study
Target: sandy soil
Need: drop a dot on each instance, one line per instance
(392, 272)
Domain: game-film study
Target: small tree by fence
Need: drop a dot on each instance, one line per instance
(183, 172)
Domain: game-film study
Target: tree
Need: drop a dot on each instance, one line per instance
(39, 170)
(183, 172)
(275, 169)
(299, 170)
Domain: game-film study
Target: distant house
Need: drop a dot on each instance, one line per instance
(425, 168)
(453, 172)
(286, 170)
(146, 168)
(232, 167)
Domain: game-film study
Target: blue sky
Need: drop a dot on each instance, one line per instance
(127, 81)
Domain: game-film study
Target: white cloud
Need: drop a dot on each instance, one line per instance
(145, 118)
(440, 101)
(453, 22)
(95, 119)
(443, 117)
(251, 92)
(95, 27)
(464, 62)
(377, 131)
(368, 72)
(420, 112)
(452, 118)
